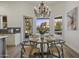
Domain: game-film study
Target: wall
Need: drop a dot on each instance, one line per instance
(15, 12)
(71, 37)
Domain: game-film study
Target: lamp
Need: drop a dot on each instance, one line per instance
(42, 10)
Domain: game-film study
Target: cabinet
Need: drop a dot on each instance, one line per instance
(13, 39)
(3, 51)
(3, 22)
(14, 36)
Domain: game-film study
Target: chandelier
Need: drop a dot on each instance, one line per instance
(42, 10)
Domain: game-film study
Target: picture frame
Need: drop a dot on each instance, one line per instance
(72, 19)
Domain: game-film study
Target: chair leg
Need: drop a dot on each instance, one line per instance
(59, 56)
(48, 53)
(58, 52)
(62, 51)
(21, 53)
(39, 55)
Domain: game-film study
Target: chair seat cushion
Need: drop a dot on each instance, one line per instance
(54, 49)
(35, 50)
(30, 51)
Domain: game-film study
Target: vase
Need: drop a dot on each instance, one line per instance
(42, 37)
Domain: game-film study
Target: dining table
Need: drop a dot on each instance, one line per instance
(44, 44)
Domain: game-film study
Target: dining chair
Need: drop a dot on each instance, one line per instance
(29, 50)
(56, 49)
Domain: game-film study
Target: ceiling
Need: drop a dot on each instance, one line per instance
(49, 3)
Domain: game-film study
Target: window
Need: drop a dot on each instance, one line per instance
(58, 25)
(42, 23)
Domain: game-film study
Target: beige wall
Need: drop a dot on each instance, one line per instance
(71, 37)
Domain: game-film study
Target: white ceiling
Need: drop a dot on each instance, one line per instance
(49, 3)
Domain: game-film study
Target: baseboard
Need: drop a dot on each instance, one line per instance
(10, 45)
(13, 45)
(75, 54)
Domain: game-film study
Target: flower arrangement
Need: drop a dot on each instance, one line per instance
(42, 30)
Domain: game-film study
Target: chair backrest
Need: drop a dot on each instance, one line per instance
(33, 43)
(24, 45)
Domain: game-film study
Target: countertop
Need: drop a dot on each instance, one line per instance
(3, 36)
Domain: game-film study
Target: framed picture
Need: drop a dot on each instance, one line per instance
(72, 17)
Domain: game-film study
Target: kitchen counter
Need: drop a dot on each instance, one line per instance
(13, 39)
(3, 46)
(3, 36)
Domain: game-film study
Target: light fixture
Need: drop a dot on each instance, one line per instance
(42, 11)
